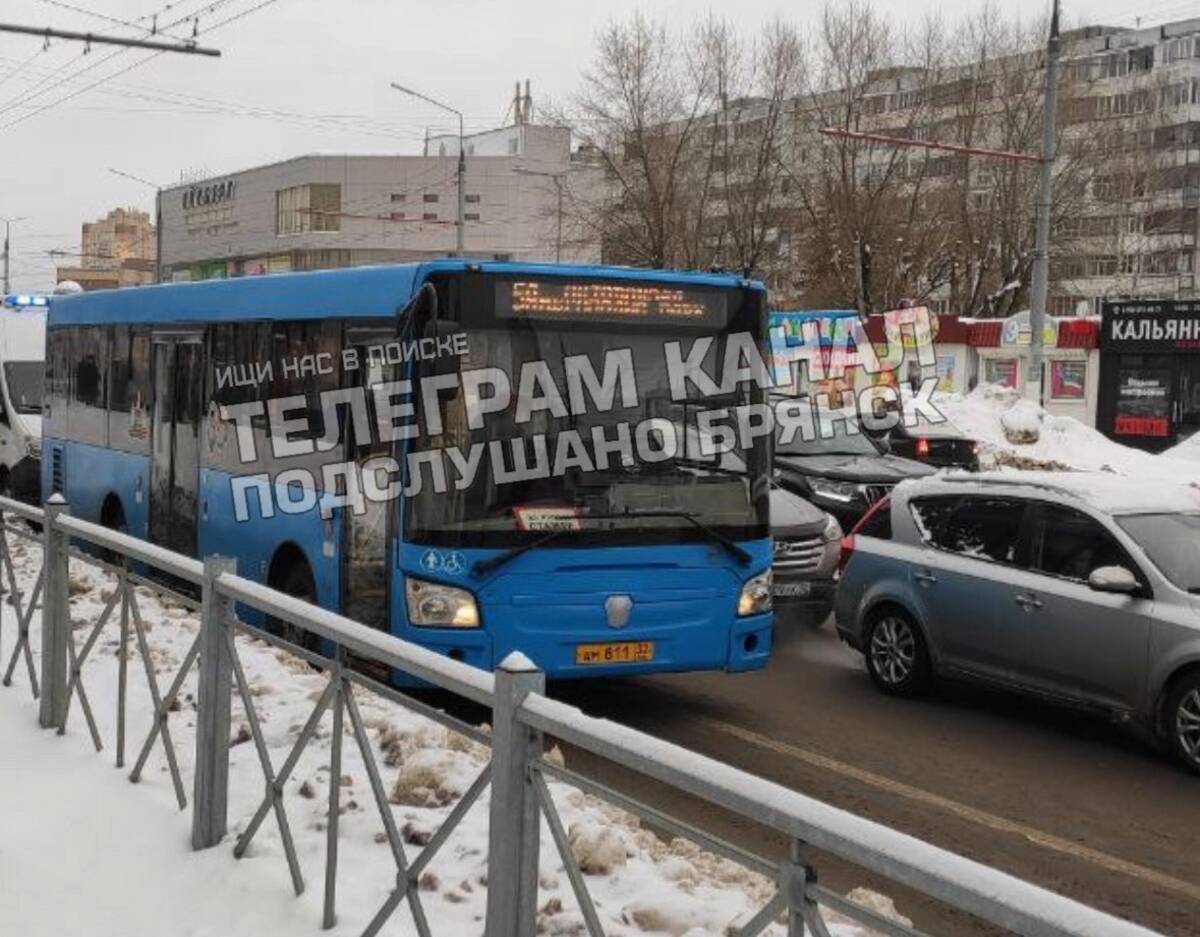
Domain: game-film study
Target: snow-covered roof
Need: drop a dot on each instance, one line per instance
(1113, 494)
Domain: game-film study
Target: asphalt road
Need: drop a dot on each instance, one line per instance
(1052, 796)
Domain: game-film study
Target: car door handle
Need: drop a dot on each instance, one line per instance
(1027, 602)
(925, 577)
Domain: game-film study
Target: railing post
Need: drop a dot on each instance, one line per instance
(514, 825)
(210, 798)
(56, 616)
(794, 877)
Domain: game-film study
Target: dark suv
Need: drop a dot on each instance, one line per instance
(843, 475)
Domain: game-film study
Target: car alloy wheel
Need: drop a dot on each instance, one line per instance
(1187, 727)
(893, 650)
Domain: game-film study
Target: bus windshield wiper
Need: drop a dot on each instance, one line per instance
(713, 534)
(483, 567)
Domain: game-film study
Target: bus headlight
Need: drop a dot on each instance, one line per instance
(756, 595)
(433, 605)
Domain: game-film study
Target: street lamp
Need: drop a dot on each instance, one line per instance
(462, 157)
(157, 218)
(558, 184)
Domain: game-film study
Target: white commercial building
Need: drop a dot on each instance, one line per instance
(315, 212)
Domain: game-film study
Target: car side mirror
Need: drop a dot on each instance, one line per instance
(1116, 579)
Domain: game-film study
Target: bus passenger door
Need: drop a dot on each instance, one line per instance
(365, 537)
(178, 378)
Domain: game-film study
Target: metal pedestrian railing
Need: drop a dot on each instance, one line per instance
(523, 717)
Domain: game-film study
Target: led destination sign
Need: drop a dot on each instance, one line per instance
(607, 301)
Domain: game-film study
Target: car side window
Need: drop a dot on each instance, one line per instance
(1071, 545)
(977, 526)
(879, 523)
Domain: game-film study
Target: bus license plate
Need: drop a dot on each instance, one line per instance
(625, 652)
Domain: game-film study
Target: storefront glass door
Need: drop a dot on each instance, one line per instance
(1188, 394)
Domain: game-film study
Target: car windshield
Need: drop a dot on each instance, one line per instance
(1172, 541)
(726, 492)
(24, 379)
(923, 427)
(835, 439)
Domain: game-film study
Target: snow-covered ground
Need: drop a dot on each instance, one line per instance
(982, 415)
(83, 851)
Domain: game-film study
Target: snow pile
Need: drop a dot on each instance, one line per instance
(1022, 422)
(1188, 449)
(1062, 441)
(125, 849)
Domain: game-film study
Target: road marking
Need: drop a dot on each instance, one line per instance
(1104, 860)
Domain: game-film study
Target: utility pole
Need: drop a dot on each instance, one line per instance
(1041, 254)
(462, 160)
(7, 287)
(8, 223)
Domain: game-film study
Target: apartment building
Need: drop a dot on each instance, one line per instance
(1127, 184)
(117, 250)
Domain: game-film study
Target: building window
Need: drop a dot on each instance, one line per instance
(397, 216)
(429, 198)
(430, 216)
(1068, 380)
(472, 199)
(1002, 371)
(304, 208)
(398, 197)
(471, 216)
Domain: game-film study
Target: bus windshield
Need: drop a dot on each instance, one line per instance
(25, 380)
(725, 492)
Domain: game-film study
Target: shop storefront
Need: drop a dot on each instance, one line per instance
(952, 366)
(1070, 360)
(1150, 372)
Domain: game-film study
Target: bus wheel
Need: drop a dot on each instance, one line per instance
(297, 580)
(112, 516)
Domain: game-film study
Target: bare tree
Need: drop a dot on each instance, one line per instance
(638, 115)
(995, 101)
(870, 237)
(747, 138)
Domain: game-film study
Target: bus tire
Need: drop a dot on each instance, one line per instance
(295, 579)
(112, 516)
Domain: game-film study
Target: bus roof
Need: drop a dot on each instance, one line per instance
(353, 291)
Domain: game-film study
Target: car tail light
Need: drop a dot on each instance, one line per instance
(845, 552)
(922, 447)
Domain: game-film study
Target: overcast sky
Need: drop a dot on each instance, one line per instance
(302, 76)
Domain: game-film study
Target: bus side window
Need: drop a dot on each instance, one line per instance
(89, 362)
(238, 351)
(57, 353)
(129, 389)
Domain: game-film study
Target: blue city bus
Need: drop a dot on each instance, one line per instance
(633, 566)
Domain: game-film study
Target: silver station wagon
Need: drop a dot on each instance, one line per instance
(1080, 587)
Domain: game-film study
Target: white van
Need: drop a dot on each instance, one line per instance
(22, 373)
